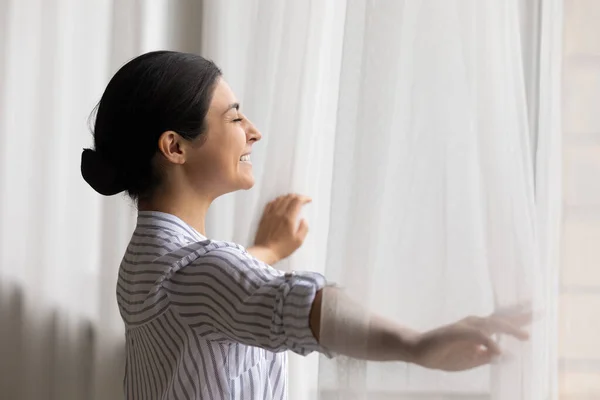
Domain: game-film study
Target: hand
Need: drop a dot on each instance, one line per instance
(468, 343)
(279, 233)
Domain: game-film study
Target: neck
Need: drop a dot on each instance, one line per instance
(190, 209)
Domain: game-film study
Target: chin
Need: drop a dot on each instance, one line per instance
(245, 183)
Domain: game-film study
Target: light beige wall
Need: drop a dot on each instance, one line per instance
(580, 297)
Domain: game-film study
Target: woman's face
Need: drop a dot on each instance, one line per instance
(220, 162)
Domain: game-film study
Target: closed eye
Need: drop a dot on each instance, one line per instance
(238, 120)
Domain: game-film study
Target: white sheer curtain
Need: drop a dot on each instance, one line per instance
(407, 122)
(442, 162)
(428, 191)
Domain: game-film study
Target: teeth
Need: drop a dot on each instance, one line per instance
(245, 157)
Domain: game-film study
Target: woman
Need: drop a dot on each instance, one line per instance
(207, 319)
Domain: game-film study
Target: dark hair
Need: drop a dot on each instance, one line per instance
(153, 93)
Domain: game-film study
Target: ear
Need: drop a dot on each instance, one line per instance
(171, 146)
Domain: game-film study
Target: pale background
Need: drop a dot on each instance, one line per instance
(580, 278)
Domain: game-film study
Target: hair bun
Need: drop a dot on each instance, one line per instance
(100, 174)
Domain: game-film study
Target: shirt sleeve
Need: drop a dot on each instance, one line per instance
(229, 293)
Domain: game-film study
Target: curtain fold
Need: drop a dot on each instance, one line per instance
(448, 182)
(549, 193)
(283, 61)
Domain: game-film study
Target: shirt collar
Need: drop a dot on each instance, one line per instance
(161, 220)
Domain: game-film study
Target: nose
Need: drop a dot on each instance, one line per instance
(252, 133)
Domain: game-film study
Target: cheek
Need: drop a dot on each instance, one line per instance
(208, 163)
(236, 143)
(222, 162)
(218, 159)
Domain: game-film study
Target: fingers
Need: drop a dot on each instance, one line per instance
(495, 324)
(293, 202)
(499, 325)
(290, 205)
(478, 341)
(276, 206)
(270, 206)
(519, 315)
(295, 206)
(283, 204)
(296, 201)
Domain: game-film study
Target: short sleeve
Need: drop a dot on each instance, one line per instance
(228, 294)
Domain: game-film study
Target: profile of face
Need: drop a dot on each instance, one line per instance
(219, 161)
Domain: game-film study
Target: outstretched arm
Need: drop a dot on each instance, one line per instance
(345, 327)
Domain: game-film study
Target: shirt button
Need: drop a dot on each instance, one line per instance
(289, 274)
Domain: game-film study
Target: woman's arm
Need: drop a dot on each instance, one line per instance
(345, 327)
(264, 254)
(225, 294)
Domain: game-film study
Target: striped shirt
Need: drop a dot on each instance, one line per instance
(206, 320)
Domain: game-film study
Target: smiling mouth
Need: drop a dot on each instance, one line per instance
(245, 158)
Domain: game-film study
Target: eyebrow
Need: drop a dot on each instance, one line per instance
(232, 106)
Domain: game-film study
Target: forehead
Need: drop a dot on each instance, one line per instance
(223, 96)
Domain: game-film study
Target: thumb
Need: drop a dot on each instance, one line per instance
(302, 229)
(481, 338)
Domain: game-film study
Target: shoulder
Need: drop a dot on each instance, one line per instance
(230, 255)
(193, 253)
(215, 251)
(225, 260)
